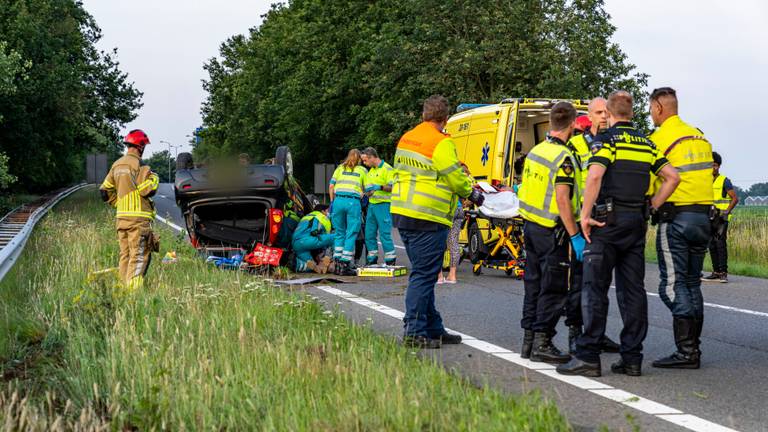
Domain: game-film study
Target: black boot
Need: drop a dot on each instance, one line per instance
(545, 351)
(336, 267)
(525, 351)
(622, 367)
(699, 326)
(580, 367)
(347, 269)
(608, 346)
(687, 355)
(573, 333)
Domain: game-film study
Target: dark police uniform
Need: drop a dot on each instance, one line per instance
(628, 157)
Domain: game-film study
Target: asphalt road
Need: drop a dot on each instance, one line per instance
(729, 390)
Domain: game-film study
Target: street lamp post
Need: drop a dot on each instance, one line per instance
(169, 158)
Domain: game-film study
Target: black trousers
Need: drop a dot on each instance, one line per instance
(718, 251)
(546, 278)
(573, 305)
(621, 247)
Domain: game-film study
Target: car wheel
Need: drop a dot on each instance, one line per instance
(284, 159)
(184, 161)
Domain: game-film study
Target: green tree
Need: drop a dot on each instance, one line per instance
(74, 98)
(758, 189)
(323, 77)
(159, 162)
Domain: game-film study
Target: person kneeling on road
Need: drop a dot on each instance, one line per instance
(428, 180)
(310, 240)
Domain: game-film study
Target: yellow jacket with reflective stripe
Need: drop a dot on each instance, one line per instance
(346, 182)
(379, 176)
(321, 217)
(130, 187)
(428, 178)
(720, 202)
(580, 149)
(686, 148)
(537, 189)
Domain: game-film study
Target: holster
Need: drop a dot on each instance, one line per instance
(667, 212)
(605, 212)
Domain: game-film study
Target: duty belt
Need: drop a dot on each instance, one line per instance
(693, 208)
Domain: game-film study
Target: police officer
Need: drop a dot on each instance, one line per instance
(428, 181)
(581, 145)
(313, 234)
(549, 199)
(684, 227)
(378, 220)
(346, 190)
(614, 205)
(725, 200)
(128, 187)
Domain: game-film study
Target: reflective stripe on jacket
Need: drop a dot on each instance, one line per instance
(721, 202)
(688, 150)
(580, 149)
(428, 178)
(541, 172)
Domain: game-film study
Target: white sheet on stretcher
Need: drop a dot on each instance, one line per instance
(501, 205)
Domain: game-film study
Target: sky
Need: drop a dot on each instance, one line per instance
(713, 53)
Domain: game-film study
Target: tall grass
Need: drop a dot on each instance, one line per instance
(747, 243)
(202, 349)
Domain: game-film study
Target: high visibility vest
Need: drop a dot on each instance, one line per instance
(537, 190)
(580, 148)
(349, 182)
(379, 176)
(321, 217)
(132, 186)
(720, 201)
(428, 178)
(686, 148)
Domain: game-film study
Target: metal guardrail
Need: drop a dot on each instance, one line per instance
(11, 251)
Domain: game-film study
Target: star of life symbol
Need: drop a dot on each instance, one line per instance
(484, 157)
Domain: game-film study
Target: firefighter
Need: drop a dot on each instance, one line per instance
(428, 181)
(580, 144)
(684, 230)
(346, 190)
(311, 238)
(613, 220)
(378, 186)
(549, 200)
(725, 199)
(128, 187)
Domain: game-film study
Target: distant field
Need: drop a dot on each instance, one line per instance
(747, 243)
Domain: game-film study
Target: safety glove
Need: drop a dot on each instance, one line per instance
(578, 243)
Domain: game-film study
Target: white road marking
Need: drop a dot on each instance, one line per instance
(162, 196)
(632, 400)
(170, 224)
(719, 306)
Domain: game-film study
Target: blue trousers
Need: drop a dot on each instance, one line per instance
(346, 219)
(681, 246)
(425, 251)
(304, 245)
(379, 219)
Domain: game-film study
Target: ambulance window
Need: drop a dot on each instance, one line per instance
(507, 155)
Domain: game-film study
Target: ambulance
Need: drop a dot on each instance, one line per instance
(493, 140)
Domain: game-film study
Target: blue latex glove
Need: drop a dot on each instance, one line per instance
(376, 187)
(578, 244)
(515, 188)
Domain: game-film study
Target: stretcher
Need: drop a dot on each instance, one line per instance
(497, 241)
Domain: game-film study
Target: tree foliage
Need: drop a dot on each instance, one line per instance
(71, 98)
(323, 77)
(159, 162)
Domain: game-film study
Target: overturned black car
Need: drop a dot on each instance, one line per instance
(232, 205)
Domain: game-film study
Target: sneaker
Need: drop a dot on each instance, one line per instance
(723, 278)
(714, 277)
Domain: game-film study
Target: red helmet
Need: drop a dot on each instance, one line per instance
(582, 123)
(137, 138)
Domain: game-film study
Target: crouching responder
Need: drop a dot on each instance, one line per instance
(310, 240)
(346, 191)
(128, 187)
(378, 220)
(549, 200)
(428, 182)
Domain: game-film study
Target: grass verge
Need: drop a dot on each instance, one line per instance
(203, 349)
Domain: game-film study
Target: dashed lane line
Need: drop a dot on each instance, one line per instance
(631, 400)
